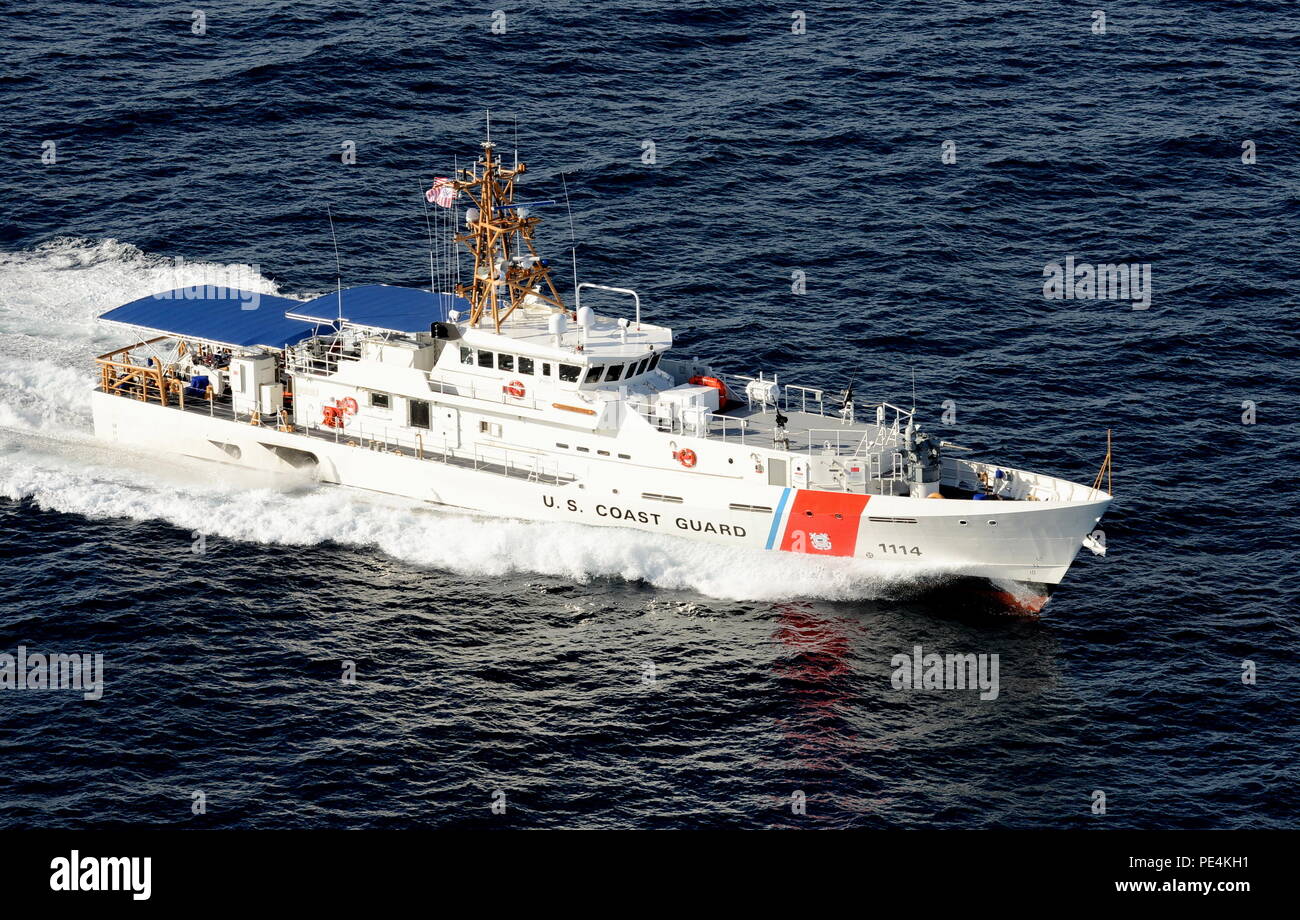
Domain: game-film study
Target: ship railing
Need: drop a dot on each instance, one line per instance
(888, 431)
(318, 357)
(841, 442)
(1013, 484)
(313, 364)
(790, 397)
(527, 464)
(876, 468)
(694, 422)
(493, 392)
(811, 400)
(873, 474)
(122, 372)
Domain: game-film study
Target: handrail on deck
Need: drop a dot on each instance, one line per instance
(577, 297)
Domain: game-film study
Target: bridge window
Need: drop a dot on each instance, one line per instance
(654, 361)
(466, 355)
(379, 400)
(569, 372)
(506, 362)
(615, 371)
(525, 365)
(485, 359)
(546, 368)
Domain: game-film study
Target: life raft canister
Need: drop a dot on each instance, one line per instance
(515, 388)
(686, 457)
(716, 384)
(332, 416)
(348, 405)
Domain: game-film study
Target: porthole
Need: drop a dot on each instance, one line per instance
(963, 523)
(807, 514)
(993, 523)
(838, 516)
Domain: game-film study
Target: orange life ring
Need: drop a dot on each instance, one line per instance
(515, 389)
(716, 384)
(348, 405)
(686, 458)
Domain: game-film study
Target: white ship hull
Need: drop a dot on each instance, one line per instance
(1023, 541)
(501, 399)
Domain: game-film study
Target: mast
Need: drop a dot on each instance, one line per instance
(507, 268)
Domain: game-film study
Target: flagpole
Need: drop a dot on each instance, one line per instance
(433, 278)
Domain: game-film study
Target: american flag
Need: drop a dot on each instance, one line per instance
(442, 194)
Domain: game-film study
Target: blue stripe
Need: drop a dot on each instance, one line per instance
(776, 519)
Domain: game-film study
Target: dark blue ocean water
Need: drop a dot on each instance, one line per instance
(495, 656)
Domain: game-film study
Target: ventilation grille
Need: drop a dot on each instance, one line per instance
(655, 497)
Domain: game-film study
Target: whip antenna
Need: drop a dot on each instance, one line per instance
(573, 248)
(338, 268)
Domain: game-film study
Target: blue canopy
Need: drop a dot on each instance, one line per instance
(242, 319)
(382, 306)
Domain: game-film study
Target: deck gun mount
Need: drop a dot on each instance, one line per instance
(923, 464)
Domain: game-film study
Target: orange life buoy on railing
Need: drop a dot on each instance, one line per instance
(686, 458)
(348, 405)
(515, 389)
(716, 384)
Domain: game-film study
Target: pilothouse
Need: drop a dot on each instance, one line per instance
(498, 396)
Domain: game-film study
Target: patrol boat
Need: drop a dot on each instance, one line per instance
(495, 396)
